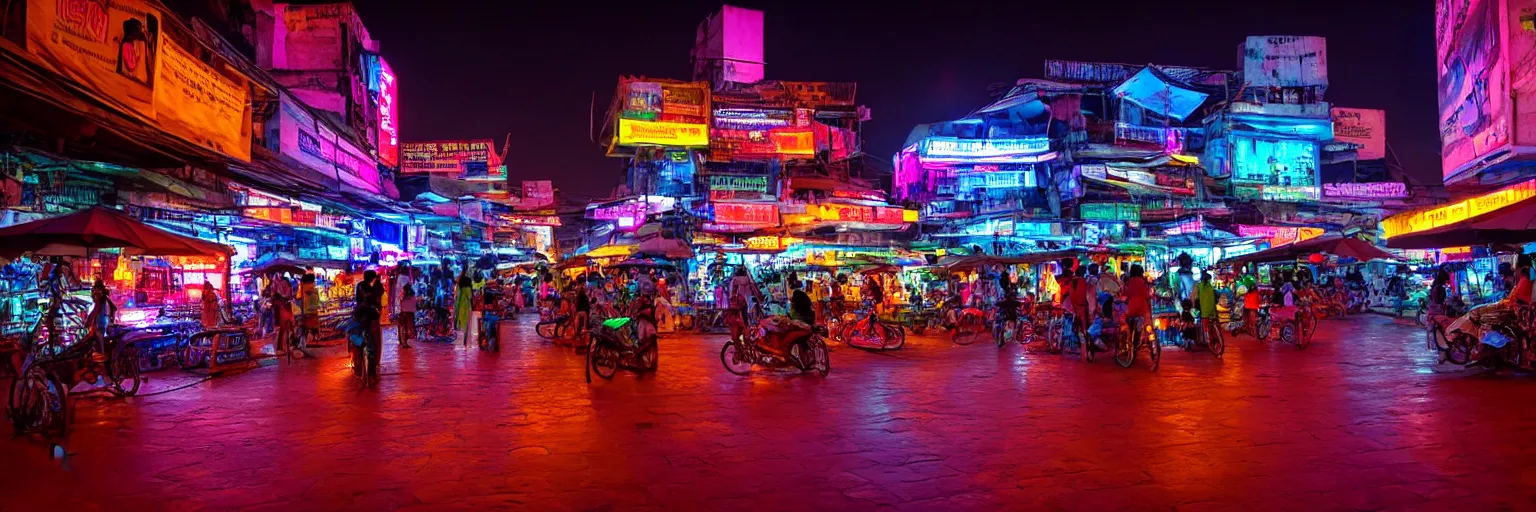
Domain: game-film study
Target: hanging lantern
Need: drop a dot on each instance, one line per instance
(1317, 258)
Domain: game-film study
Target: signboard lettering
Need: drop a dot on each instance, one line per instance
(1378, 190)
(204, 105)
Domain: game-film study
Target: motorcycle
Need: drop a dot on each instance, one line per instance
(807, 353)
(39, 401)
(628, 341)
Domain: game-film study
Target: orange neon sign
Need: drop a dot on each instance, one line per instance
(1424, 220)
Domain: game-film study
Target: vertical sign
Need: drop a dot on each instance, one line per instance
(389, 132)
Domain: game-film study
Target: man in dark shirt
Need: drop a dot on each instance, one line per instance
(800, 307)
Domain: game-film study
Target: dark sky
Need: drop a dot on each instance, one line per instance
(478, 69)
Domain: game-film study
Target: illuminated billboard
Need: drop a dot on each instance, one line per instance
(1472, 63)
(1282, 162)
(469, 159)
(663, 114)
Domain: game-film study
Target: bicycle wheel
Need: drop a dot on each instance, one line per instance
(734, 358)
(1308, 328)
(1155, 353)
(966, 333)
(604, 361)
(123, 373)
(1457, 350)
(39, 403)
(1262, 327)
(1288, 332)
(895, 337)
(823, 363)
(547, 330)
(1025, 332)
(650, 358)
(1125, 350)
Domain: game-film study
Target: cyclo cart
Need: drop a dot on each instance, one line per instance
(56, 360)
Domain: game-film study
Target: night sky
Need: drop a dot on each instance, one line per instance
(476, 69)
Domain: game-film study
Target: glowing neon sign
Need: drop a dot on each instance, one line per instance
(1279, 235)
(389, 132)
(981, 148)
(1413, 222)
(1381, 190)
(634, 132)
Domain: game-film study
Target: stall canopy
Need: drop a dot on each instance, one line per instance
(79, 233)
(1512, 225)
(1344, 247)
(1154, 90)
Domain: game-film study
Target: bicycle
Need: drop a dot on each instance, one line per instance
(363, 366)
(876, 333)
(1207, 334)
(1133, 341)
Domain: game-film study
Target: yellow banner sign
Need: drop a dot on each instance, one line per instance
(634, 132)
(1423, 220)
(201, 104)
(109, 47)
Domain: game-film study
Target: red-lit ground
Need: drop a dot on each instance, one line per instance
(1361, 420)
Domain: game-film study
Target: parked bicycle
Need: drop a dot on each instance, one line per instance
(864, 329)
(1136, 338)
(809, 353)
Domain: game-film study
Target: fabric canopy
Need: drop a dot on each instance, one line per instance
(1152, 90)
(1344, 247)
(1510, 225)
(78, 233)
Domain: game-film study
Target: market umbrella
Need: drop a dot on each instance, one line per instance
(1510, 225)
(880, 269)
(1347, 247)
(79, 233)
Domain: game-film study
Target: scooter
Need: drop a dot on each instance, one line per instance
(807, 353)
(628, 341)
(1492, 332)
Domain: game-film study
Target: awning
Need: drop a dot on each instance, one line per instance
(1346, 247)
(1155, 91)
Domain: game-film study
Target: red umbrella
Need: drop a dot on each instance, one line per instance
(79, 233)
(1509, 225)
(1346, 247)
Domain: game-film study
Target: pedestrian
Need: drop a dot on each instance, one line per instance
(463, 302)
(407, 321)
(211, 316)
(309, 306)
(1138, 298)
(369, 295)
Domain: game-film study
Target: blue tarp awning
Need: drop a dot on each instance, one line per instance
(1155, 91)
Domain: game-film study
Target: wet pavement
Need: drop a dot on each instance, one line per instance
(1362, 419)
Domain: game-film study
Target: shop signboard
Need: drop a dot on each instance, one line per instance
(108, 47)
(769, 243)
(738, 183)
(1183, 226)
(1413, 222)
(469, 159)
(1111, 212)
(283, 215)
(313, 144)
(866, 214)
(207, 105)
(626, 216)
(664, 114)
(1279, 235)
(1377, 190)
(1289, 194)
(762, 214)
(529, 220)
(389, 116)
(1363, 126)
(955, 147)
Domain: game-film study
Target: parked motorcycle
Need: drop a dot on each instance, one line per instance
(628, 341)
(808, 353)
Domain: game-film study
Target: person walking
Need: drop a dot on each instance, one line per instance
(406, 330)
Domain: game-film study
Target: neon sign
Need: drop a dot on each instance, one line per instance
(1380, 190)
(957, 147)
(389, 133)
(1288, 193)
(1112, 212)
(769, 243)
(747, 213)
(633, 132)
(1412, 222)
(739, 183)
(866, 214)
(1279, 235)
(626, 216)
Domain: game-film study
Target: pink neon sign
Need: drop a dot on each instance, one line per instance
(389, 132)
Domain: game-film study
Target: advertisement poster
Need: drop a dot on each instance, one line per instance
(470, 159)
(635, 132)
(389, 127)
(1363, 126)
(207, 106)
(109, 47)
(1378, 190)
(1473, 70)
(1274, 162)
(1285, 61)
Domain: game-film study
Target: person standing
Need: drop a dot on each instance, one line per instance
(309, 307)
(211, 317)
(1138, 298)
(406, 330)
(463, 302)
(369, 295)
